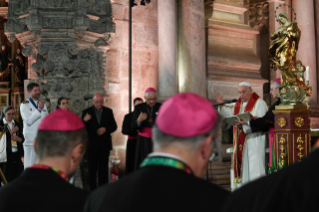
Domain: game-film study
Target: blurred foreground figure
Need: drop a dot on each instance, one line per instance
(294, 188)
(170, 178)
(60, 146)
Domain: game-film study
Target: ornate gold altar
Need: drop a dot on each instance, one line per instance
(292, 121)
(293, 140)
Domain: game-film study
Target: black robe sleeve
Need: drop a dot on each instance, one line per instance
(136, 113)
(111, 126)
(126, 126)
(265, 122)
(20, 135)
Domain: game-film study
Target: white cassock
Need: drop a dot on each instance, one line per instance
(253, 166)
(32, 118)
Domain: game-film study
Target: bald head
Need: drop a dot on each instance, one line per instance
(98, 100)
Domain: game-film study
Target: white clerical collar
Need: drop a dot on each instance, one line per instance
(5, 121)
(167, 155)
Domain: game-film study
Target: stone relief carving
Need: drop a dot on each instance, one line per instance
(50, 32)
(258, 15)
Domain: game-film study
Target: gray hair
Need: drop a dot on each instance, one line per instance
(162, 140)
(59, 144)
(276, 85)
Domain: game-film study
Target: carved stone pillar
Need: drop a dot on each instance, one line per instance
(307, 45)
(65, 42)
(167, 35)
(191, 47)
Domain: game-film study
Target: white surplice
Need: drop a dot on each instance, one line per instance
(253, 166)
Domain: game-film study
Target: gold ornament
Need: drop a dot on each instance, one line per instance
(282, 156)
(282, 122)
(299, 121)
(282, 55)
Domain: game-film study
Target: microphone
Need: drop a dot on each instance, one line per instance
(231, 101)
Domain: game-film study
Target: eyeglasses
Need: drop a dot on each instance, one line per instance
(149, 100)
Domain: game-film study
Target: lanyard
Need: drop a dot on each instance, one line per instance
(10, 128)
(59, 172)
(33, 103)
(162, 161)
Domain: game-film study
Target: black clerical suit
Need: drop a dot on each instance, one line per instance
(99, 146)
(157, 189)
(14, 166)
(265, 122)
(131, 143)
(144, 145)
(4, 60)
(39, 190)
(293, 189)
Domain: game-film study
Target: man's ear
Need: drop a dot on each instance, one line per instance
(35, 145)
(206, 147)
(77, 152)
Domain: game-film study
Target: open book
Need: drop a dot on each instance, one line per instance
(230, 120)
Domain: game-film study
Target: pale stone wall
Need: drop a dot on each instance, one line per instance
(145, 62)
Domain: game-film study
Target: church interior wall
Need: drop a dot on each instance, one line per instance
(144, 62)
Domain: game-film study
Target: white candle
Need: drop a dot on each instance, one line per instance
(307, 73)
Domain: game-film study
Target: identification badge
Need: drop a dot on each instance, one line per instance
(14, 143)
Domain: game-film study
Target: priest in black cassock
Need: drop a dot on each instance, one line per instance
(266, 123)
(170, 179)
(144, 117)
(131, 141)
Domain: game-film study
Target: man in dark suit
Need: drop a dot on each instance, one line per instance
(60, 145)
(144, 117)
(170, 178)
(100, 123)
(294, 188)
(131, 141)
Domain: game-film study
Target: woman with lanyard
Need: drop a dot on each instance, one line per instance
(12, 164)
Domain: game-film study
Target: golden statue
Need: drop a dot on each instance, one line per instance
(282, 55)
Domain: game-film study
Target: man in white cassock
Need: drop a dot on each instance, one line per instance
(248, 147)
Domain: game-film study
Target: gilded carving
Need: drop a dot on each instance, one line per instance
(300, 147)
(282, 147)
(282, 54)
(299, 121)
(282, 122)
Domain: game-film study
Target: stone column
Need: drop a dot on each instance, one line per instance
(191, 47)
(307, 45)
(167, 34)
